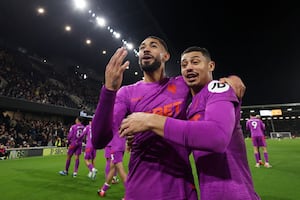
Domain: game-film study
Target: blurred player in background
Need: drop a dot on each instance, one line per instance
(75, 138)
(118, 146)
(107, 155)
(90, 152)
(257, 128)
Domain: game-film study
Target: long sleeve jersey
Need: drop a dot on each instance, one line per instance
(214, 133)
(158, 169)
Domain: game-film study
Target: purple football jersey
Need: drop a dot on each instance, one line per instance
(256, 127)
(158, 168)
(215, 134)
(88, 132)
(76, 135)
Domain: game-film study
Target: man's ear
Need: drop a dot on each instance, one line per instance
(165, 56)
(211, 66)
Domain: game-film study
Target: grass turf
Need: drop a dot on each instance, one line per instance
(36, 178)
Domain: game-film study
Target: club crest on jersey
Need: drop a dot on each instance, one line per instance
(217, 87)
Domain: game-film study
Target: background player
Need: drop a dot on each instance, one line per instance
(257, 128)
(90, 152)
(75, 138)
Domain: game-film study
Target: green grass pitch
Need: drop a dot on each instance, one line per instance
(37, 178)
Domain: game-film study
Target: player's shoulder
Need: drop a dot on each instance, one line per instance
(216, 86)
(217, 91)
(177, 78)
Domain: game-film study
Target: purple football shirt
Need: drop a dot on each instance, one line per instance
(76, 135)
(88, 132)
(256, 127)
(158, 168)
(215, 134)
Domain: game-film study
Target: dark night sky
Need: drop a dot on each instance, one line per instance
(254, 40)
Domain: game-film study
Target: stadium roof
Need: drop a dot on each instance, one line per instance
(257, 40)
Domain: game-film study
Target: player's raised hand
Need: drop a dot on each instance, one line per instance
(115, 69)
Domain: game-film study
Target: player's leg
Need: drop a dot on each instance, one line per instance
(68, 161)
(259, 157)
(266, 156)
(89, 161)
(255, 151)
(93, 158)
(77, 160)
(102, 190)
(120, 167)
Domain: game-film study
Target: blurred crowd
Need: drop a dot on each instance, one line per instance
(26, 77)
(17, 133)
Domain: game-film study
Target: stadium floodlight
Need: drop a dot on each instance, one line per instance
(68, 28)
(100, 21)
(129, 46)
(80, 4)
(136, 53)
(116, 34)
(110, 29)
(41, 11)
(88, 41)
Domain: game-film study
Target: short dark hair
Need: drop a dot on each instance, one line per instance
(204, 51)
(161, 41)
(80, 118)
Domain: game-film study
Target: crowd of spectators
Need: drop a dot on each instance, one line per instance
(27, 78)
(24, 78)
(18, 133)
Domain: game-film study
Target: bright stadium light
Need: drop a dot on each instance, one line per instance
(129, 46)
(110, 29)
(88, 41)
(136, 53)
(100, 21)
(68, 28)
(40, 11)
(80, 4)
(116, 34)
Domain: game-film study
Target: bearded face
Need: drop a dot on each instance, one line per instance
(148, 66)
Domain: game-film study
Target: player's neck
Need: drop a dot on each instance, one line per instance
(197, 88)
(155, 76)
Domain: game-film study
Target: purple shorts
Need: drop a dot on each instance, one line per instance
(259, 141)
(117, 157)
(90, 153)
(107, 152)
(75, 149)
